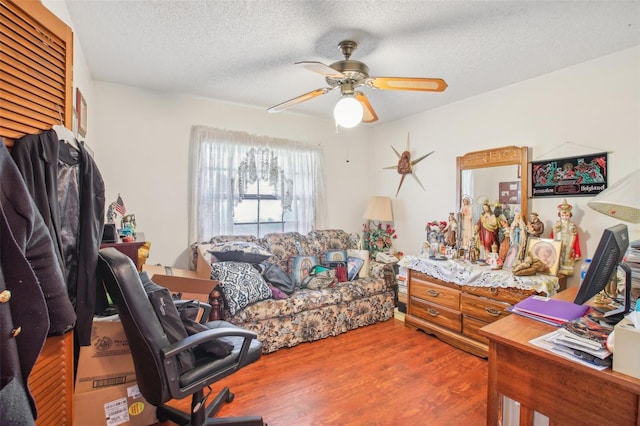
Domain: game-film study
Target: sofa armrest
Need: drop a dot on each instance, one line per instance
(383, 270)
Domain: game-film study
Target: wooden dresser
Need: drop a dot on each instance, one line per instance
(454, 313)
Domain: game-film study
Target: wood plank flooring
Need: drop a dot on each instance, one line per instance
(382, 374)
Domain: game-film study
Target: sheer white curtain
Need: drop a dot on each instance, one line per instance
(214, 159)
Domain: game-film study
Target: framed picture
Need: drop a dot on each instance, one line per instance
(81, 110)
(585, 175)
(353, 267)
(509, 192)
(548, 251)
(512, 255)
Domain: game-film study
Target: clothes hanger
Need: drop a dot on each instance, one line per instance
(64, 134)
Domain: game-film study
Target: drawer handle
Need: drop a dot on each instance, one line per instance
(493, 312)
(433, 312)
(433, 293)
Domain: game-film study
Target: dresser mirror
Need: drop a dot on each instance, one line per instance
(492, 176)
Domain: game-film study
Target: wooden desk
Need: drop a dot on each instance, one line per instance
(129, 248)
(566, 392)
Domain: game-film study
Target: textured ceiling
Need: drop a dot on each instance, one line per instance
(243, 51)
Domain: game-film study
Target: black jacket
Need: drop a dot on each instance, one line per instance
(37, 160)
(33, 294)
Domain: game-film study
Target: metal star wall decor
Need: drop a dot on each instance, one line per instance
(405, 165)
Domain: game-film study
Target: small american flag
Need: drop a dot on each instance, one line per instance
(120, 206)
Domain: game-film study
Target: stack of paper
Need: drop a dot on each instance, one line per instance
(632, 259)
(582, 340)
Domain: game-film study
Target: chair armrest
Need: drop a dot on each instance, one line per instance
(205, 336)
(224, 366)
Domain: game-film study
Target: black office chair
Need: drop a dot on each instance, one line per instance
(154, 358)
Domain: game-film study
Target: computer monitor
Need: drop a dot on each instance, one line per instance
(604, 264)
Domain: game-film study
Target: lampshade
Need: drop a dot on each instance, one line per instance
(348, 112)
(621, 200)
(379, 208)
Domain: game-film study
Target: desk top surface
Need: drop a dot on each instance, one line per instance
(516, 331)
(139, 240)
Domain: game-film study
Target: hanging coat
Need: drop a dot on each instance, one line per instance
(33, 293)
(37, 159)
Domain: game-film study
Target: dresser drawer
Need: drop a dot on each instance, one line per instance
(483, 309)
(436, 314)
(470, 327)
(443, 296)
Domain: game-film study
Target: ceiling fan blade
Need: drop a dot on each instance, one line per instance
(369, 114)
(299, 99)
(408, 83)
(322, 69)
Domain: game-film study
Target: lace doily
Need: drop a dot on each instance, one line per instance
(465, 273)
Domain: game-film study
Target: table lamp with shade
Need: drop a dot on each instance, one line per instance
(379, 208)
(377, 238)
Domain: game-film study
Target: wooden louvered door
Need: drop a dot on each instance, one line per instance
(36, 69)
(36, 89)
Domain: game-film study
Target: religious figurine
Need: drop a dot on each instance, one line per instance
(492, 259)
(466, 221)
(474, 245)
(535, 228)
(488, 228)
(450, 231)
(505, 243)
(518, 235)
(566, 231)
(111, 213)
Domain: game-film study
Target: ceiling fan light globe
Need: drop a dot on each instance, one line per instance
(348, 112)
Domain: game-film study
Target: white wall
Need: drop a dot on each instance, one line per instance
(588, 108)
(81, 75)
(141, 144)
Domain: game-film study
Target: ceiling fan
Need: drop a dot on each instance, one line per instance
(348, 75)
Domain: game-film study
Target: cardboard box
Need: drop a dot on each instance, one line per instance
(107, 362)
(203, 265)
(626, 347)
(114, 405)
(181, 281)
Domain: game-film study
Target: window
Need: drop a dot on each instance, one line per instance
(244, 184)
(260, 211)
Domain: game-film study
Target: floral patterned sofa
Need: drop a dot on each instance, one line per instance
(308, 315)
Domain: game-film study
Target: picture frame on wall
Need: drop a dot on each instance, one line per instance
(584, 175)
(546, 250)
(81, 110)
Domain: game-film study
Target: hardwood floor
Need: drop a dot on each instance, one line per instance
(382, 374)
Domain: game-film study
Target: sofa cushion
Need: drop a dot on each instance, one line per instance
(301, 300)
(320, 241)
(239, 251)
(241, 284)
(285, 245)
